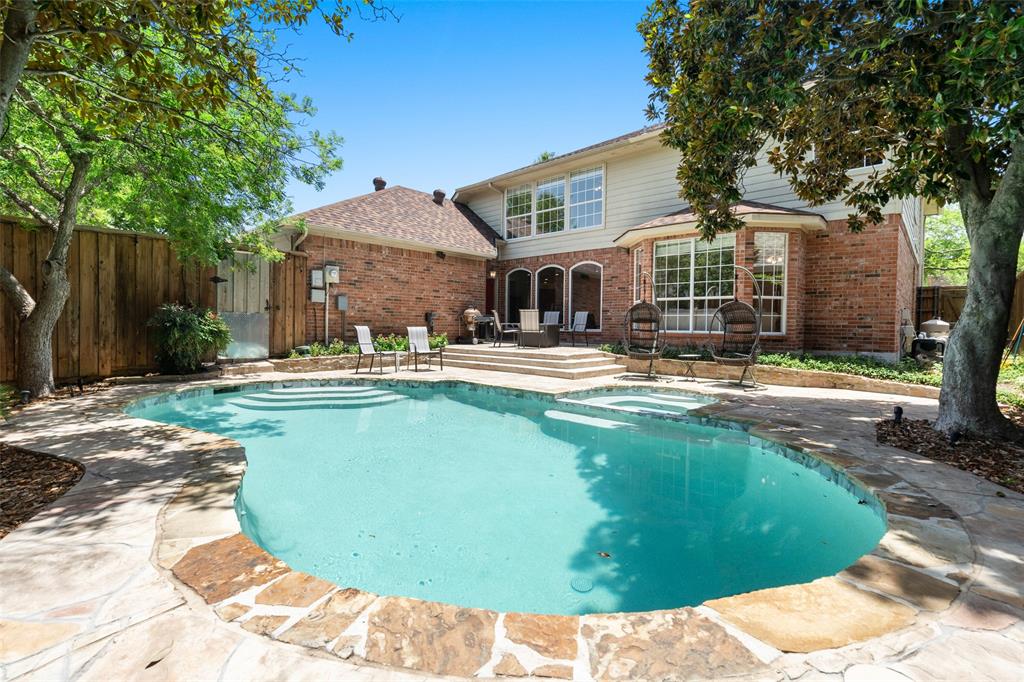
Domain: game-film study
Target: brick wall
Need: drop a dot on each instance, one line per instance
(390, 289)
(855, 287)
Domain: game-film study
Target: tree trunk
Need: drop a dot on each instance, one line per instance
(970, 372)
(39, 318)
(18, 35)
(967, 403)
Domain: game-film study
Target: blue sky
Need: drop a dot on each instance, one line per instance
(459, 91)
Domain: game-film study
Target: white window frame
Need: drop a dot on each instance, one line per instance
(638, 271)
(600, 307)
(785, 280)
(509, 274)
(536, 289)
(693, 299)
(566, 208)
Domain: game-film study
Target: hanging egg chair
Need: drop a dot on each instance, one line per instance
(741, 333)
(643, 328)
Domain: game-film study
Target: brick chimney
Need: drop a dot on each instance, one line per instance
(379, 183)
(439, 197)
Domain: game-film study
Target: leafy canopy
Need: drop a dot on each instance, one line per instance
(947, 250)
(822, 84)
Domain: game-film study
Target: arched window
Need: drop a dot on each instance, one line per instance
(551, 291)
(585, 292)
(517, 293)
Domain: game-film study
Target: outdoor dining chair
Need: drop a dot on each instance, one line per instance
(365, 341)
(419, 346)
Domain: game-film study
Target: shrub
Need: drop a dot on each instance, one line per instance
(8, 397)
(382, 343)
(185, 335)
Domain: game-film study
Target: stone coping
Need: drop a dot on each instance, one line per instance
(786, 376)
(901, 586)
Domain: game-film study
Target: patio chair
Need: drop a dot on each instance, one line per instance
(530, 333)
(366, 348)
(419, 345)
(551, 317)
(500, 330)
(579, 326)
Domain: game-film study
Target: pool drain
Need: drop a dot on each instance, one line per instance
(581, 584)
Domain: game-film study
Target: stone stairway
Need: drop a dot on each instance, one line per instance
(562, 362)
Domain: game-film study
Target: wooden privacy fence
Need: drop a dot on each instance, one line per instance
(948, 302)
(118, 280)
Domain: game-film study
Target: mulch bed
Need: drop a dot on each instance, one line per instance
(999, 461)
(29, 482)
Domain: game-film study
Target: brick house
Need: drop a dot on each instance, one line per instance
(579, 231)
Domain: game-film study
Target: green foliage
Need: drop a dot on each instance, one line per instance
(185, 335)
(907, 370)
(614, 348)
(947, 249)
(544, 156)
(828, 87)
(391, 342)
(8, 397)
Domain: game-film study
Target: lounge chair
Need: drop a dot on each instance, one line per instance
(419, 346)
(579, 326)
(500, 330)
(366, 348)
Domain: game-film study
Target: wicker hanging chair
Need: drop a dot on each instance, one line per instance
(741, 333)
(643, 329)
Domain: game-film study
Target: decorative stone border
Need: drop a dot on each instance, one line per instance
(893, 588)
(786, 376)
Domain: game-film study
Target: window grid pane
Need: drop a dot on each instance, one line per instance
(551, 205)
(691, 280)
(586, 197)
(770, 270)
(518, 212)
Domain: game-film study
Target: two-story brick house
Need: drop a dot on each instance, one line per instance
(578, 232)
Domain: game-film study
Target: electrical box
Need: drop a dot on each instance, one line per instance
(342, 301)
(317, 296)
(332, 274)
(316, 279)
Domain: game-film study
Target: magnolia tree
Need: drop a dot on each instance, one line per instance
(155, 115)
(935, 87)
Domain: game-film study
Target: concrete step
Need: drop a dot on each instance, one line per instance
(555, 372)
(536, 360)
(559, 353)
(253, 402)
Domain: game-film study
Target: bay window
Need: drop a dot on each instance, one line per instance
(574, 201)
(692, 278)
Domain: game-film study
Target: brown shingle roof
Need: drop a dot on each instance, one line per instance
(405, 215)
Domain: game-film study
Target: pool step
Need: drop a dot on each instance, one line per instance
(318, 401)
(658, 403)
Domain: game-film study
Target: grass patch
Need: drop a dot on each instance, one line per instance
(8, 398)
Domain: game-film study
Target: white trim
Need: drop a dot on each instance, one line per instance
(693, 299)
(638, 254)
(536, 289)
(785, 281)
(783, 220)
(600, 311)
(566, 177)
(507, 274)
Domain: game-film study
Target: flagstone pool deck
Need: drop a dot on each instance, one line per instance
(140, 572)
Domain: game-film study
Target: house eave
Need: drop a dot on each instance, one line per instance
(635, 235)
(412, 245)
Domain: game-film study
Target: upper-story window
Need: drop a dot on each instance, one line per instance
(519, 212)
(540, 208)
(551, 205)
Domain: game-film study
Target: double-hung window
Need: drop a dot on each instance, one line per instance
(692, 278)
(770, 271)
(519, 212)
(574, 201)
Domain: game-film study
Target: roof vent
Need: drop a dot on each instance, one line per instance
(379, 183)
(439, 196)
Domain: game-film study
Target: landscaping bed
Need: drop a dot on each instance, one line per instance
(29, 482)
(999, 461)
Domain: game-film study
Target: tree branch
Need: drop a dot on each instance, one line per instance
(17, 43)
(44, 184)
(28, 207)
(19, 297)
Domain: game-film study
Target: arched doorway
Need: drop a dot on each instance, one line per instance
(517, 293)
(551, 291)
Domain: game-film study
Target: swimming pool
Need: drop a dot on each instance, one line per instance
(520, 502)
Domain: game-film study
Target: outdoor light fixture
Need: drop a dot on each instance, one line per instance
(492, 274)
(440, 254)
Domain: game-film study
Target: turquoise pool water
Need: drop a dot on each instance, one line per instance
(488, 499)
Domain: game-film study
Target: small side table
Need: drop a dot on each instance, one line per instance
(688, 362)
